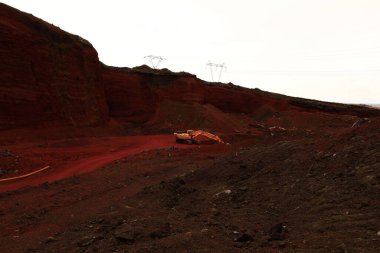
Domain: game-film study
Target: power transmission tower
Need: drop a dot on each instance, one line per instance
(214, 68)
(155, 60)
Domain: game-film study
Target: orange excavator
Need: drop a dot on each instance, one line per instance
(196, 137)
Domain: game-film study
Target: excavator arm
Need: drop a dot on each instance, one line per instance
(192, 136)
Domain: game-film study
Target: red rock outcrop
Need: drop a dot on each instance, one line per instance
(129, 98)
(160, 100)
(47, 74)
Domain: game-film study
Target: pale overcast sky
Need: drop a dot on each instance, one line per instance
(321, 49)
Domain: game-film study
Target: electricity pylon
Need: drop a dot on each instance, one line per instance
(155, 60)
(216, 67)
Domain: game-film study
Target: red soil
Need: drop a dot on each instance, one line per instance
(82, 155)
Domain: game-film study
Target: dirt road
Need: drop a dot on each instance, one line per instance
(121, 147)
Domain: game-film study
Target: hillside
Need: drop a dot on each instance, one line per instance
(51, 76)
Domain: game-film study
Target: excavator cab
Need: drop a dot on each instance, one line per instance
(183, 137)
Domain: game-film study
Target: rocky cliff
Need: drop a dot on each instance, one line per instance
(47, 74)
(50, 76)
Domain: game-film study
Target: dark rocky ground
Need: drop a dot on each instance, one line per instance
(292, 192)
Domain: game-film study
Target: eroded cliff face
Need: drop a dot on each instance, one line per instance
(129, 98)
(160, 100)
(50, 76)
(47, 75)
(163, 101)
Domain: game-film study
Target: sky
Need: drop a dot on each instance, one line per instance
(327, 49)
